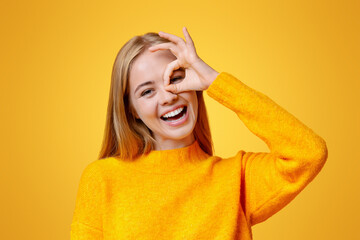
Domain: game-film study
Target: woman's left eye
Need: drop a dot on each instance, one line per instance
(175, 79)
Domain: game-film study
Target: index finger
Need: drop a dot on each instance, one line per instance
(174, 65)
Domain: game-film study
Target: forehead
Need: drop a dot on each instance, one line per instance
(150, 65)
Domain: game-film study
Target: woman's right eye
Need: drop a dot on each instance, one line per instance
(147, 91)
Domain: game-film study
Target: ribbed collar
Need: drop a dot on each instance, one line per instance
(170, 161)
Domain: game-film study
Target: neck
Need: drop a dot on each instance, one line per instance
(170, 161)
(166, 144)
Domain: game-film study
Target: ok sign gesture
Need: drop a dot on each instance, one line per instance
(199, 75)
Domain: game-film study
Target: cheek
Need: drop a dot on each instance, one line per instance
(192, 99)
(133, 107)
(146, 109)
(196, 111)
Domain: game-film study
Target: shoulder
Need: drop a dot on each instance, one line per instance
(239, 154)
(98, 169)
(231, 160)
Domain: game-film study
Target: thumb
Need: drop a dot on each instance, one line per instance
(174, 88)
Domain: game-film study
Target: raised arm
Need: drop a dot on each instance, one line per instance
(297, 154)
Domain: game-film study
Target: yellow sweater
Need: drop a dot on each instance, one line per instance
(186, 194)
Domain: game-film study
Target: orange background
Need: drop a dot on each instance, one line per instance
(56, 61)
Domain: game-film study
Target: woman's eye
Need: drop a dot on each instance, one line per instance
(176, 79)
(147, 91)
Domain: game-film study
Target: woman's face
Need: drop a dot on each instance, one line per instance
(171, 117)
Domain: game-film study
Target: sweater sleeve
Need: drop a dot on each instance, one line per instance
(269, 181)
(87, 218)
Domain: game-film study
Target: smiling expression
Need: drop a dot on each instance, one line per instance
(170, 117)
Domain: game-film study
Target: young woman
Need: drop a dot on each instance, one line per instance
(156, 176)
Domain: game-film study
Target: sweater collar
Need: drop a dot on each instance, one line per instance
(171, 161)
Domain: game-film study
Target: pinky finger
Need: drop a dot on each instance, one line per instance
(161, 46)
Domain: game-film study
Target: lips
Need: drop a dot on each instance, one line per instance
(172, 109)
(178, 120)
(175, 113)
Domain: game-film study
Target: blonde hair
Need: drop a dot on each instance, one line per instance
(125, 136)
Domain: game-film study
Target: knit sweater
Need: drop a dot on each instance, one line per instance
(184, 193)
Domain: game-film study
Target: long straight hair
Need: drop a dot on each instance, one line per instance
(125, 136)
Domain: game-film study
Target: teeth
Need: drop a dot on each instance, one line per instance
(173, 113)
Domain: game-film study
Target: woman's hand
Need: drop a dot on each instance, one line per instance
(199, 75)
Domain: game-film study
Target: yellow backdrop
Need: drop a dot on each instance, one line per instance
(56, 60)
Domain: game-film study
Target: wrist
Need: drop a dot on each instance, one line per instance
(212, 76)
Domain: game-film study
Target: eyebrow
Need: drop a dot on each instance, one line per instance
(143, 84)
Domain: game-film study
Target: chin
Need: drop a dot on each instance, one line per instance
(179, 134)
(184, 133)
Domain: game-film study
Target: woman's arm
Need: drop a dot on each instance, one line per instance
(297, 154)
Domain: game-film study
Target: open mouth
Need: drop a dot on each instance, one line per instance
(175, 115)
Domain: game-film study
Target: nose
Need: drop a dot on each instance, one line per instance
(167, 97)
